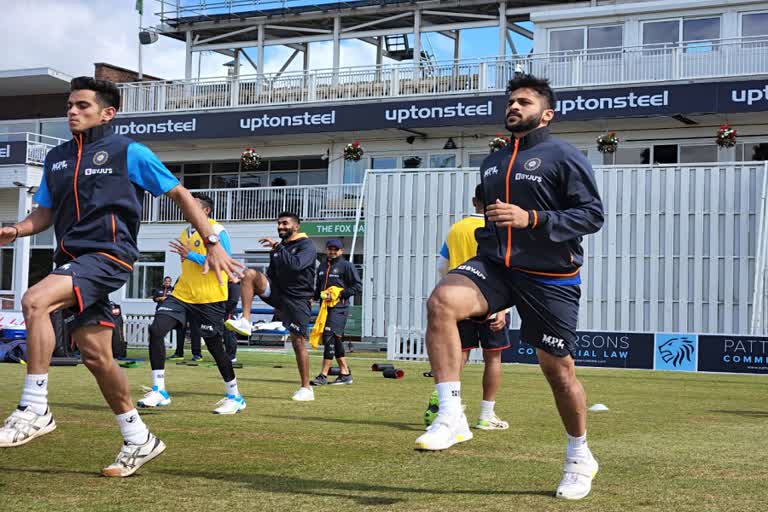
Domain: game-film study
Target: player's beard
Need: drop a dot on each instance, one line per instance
(525, 124)
(285, 235)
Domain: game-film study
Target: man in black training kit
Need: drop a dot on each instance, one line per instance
(336, 272)
(92, 194)
(159, 295)
(288, 287)
(541, 199)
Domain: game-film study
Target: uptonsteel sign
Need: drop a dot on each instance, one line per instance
(645, 101)
(12, 153)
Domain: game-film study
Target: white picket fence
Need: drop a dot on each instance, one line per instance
(136, 330)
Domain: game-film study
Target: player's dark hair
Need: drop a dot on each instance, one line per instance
(540, 85)
(204, 198)
(480, 195)
(167, 277)
(290, 215)
(107, 92)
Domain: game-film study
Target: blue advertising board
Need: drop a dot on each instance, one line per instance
(733, 354)
(676, 352)
(579, 105)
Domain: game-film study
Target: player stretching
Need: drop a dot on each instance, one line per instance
(541, 199)
(288, 287)
(198, 295)
(92, 192)
(493, 334)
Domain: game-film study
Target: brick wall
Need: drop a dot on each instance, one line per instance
(104, 71)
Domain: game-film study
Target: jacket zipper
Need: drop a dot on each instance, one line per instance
(79, 141)
(327, 273)
(508, 255)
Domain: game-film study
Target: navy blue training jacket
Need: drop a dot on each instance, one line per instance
(292, 267)
(338, 272)
(555, 182)
(95, 184)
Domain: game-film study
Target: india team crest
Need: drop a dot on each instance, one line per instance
(532, 164)
(100, 158)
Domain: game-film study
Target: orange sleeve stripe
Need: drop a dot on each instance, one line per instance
(535, 219)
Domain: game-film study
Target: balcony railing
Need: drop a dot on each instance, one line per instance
(313, 202)
(26, 147)
(612, 66)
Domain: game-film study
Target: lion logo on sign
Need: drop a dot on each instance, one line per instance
(675, 351)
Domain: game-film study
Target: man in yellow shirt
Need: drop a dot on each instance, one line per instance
(492, 335)
(199, 296)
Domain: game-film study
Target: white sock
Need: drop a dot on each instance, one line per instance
(232, 387)
(158, 379)
(486, 409)
(449, 395)
(133, 429)
(577, 447)
(35, 393)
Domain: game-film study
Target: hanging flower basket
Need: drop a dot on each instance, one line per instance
(250, 159)
(499, 142)
(608, 142)
(353, 151)
(726, 136)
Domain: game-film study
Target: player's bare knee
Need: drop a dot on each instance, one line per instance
(562, 381)
(97, 361)
(440, 306)
(34, 303)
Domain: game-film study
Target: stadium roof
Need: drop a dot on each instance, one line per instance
(33, 82)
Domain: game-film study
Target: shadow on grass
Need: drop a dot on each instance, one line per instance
(269, 381)
(746, 414)
(50, 471)
(330, 488)
(415, 427)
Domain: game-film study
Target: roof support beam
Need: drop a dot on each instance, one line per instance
(376, 22)
(517, 29)
(299, 29)
(221, 36)
(462, 15)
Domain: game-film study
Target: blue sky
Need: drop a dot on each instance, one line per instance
(70, 35)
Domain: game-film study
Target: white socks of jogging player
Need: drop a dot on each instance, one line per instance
(449, 395)
(577, 447)
(232, 388)
(486, 410)
(158, 379)
(35, 393)
(133, 429)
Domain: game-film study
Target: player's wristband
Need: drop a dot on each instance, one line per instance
(533, 219)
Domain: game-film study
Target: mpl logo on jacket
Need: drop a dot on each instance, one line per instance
(532, 164)
(58, 166)
(676, 352)
(491, 170)
(100, 158)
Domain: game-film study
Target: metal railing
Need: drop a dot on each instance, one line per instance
(310, 202)
(611, 66)
(171, 10)
(37, 145)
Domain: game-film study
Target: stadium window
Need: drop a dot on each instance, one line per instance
(665, 154)
(283, 179)
(40, 265)
(16, 128)
(700, 34)
(571, 39)
(253, 179)
(147, 274)
(383, 162)
(354, 171)
(661, 33)
(56, 128)
(700, 153)
(611, 36)
(42, 240)
(628, 156)
(197, 181)
(413, 161)
(442, 161)
(225, 167)
(752, 152)
(225, 180)
(308, 177)
(476, 159)
(754, 24)
(6, 268)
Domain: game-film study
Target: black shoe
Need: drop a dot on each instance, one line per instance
(342, 379)
(197, 358)
(320, 380)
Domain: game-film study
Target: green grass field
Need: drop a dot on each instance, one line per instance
(671, 442)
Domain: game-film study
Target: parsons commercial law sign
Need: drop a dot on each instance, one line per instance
(646, 101)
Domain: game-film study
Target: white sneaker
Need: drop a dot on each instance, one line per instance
(240, 325)
(154, 397)
(445, 432)
(133, 456)
(232, 404)
(577, 478)
(492, 423)
(304, 395)
(23, 425)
